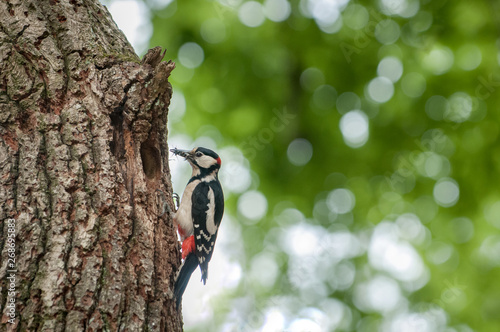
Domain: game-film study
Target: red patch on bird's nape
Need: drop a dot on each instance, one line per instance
(219, 161)
(188, 246)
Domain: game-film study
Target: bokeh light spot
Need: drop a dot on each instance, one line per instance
(299, 152)
(253, 206)
(302, 324)
(387, 32)
(300, 240)
(390, 67)
(275, 321)
(412, 322)
(288, 216)
(436, 165)
(348, 101)
(439, 60)
(490, 247)
(343, 276)
(251, 14)
(326, 12)
(264, 269)
(410, 227)
(311, 78)
(277, 10)
(389, 253)
(380, 294)
(354, 128)
(446, 192)
(380, 89)
(235, 177)
(356, 16)
(341, 201)
(460, 107)
(403, 8)
(330, 27)
(191, 55)
(421, 22)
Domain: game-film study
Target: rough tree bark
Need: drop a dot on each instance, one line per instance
(84, 173)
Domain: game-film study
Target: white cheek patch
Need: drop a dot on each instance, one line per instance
(205, 161)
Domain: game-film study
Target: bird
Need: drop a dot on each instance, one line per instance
(199, 215)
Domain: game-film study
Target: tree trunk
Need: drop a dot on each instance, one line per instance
(84, 176)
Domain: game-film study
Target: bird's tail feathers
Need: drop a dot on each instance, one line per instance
(204, 273)
(187, 268)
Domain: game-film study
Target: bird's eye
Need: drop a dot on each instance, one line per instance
(198, 154)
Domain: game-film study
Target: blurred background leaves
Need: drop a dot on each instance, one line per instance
(360, 154)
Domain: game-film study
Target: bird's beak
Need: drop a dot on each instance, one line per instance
(183, 153)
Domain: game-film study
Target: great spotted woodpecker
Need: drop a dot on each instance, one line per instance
(198, 216)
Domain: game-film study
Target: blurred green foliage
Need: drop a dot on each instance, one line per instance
(426, 168)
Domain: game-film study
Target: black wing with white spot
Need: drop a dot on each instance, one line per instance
(207, 211)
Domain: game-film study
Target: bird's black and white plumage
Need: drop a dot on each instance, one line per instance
(199, 215)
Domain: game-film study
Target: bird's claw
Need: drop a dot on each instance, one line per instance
(176, 199)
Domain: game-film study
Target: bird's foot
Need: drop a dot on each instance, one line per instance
(177, 200)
